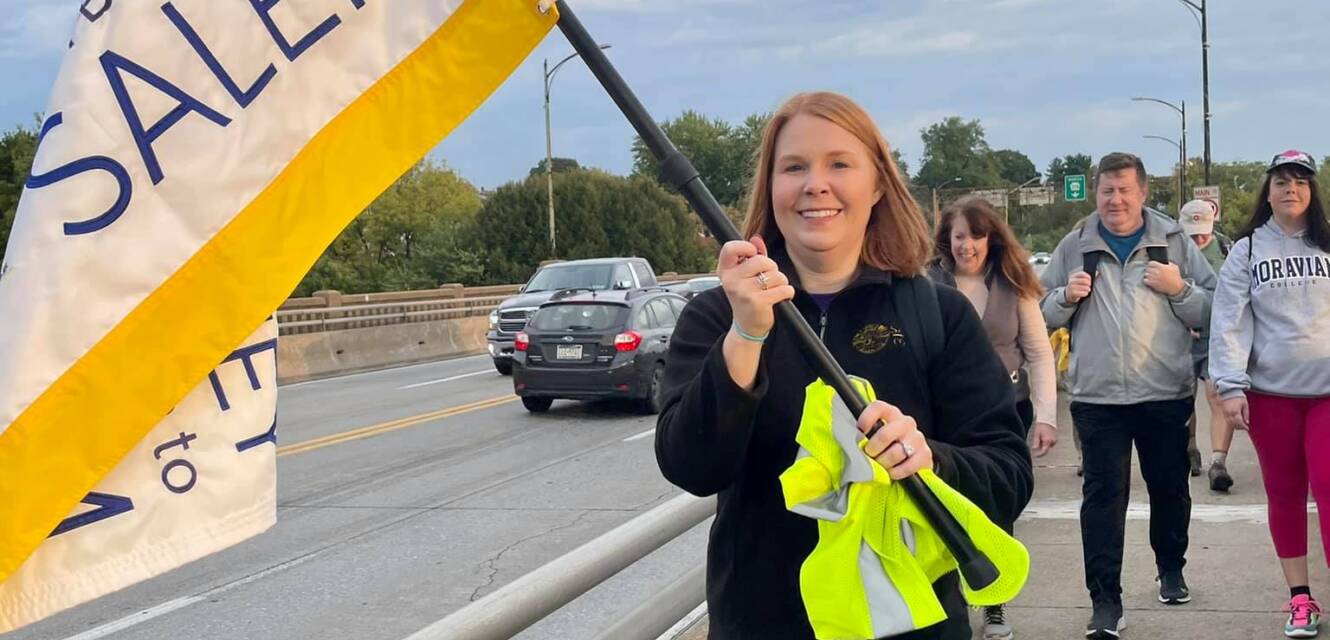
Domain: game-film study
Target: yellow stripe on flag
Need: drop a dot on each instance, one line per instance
(88, 419)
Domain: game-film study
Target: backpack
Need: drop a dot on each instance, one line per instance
(920, 294)
(1090, 259)
(1090, 263)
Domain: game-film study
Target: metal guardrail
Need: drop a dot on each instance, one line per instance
(661, 611)
(373, 315)
(312, 315)
(528, 599)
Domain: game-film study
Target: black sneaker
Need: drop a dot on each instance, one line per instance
(1219, 478)
(1106, 622)
(1172, 588)
(1194, 456)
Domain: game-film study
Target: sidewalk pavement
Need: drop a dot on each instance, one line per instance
(1236, 585)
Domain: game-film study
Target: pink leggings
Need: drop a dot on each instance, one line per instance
(1292, 440)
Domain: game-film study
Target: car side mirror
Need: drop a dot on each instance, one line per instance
(623, 284)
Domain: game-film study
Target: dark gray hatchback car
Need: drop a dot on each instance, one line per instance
(596, 344)
(594, 274)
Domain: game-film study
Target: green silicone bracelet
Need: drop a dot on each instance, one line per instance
(748, 336)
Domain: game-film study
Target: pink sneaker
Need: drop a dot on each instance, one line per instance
(1304, 614)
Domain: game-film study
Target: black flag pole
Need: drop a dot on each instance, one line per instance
(977, 569)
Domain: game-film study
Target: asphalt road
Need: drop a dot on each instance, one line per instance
(403, 495)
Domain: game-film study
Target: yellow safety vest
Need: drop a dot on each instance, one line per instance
(1061, 342)
(871, 574)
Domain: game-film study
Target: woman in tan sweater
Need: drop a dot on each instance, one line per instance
(977, 253)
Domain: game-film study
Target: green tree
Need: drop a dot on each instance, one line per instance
(17, 148)
(1014, 167)
(560, 165)
(413, 236)
(721, 152)
(901, 165)
(956, 148)
(1076, 164)
(596, 215)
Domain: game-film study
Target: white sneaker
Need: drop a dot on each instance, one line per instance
(995, 624)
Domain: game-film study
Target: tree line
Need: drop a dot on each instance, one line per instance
(433, 226)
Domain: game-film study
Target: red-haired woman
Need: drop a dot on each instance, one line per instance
(832, 227)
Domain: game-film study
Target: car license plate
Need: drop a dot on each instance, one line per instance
(568, 352)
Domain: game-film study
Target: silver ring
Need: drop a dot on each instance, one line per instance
(762, 280)
(905, 446)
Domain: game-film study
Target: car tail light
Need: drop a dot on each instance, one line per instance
(627, 341)
(522, 341)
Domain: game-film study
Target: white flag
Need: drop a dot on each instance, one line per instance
(195, 159)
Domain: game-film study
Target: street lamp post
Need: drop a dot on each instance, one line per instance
(1198, 12)
(1014, 189)
(549, 146)
(934, 189)
(1182, 111)
(1179, 146)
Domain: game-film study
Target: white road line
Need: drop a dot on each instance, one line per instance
(137, 618)
(180, 603)
(640, 435)
(449, 379)
(387, 370)
(1209, 513)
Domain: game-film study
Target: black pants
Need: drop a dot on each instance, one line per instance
(1025, 409)
(1159, 430)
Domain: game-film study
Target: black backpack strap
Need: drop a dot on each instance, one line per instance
(1090, 263)
(917, 305)
(1157, 254)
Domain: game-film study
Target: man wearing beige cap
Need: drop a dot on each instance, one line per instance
(1198, 222)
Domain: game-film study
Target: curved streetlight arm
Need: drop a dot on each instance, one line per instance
(1024, 184)
(1195, 10)
(549, 75)
(1163, 102)
(1168, 140)
(944, 183)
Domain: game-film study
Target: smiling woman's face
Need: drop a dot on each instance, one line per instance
(968, 251)
(823, 187)
(1290, 195)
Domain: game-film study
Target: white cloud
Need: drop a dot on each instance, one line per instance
(41, 29)
(650, 6)
(1019, 4)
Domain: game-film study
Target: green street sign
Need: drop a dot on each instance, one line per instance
(1073, 188)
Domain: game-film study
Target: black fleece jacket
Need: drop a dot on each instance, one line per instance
(713, 437)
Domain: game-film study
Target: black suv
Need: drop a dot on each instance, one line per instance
(596, 344)
(595, 274)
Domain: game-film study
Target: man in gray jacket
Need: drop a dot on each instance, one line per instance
(1130, 285)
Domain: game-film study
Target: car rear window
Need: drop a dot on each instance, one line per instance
(588, 276)
(579, 317)
(702, 284)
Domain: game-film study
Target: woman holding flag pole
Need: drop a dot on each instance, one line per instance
(833, 228)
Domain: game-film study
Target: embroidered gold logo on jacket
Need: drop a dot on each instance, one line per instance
(875, 337)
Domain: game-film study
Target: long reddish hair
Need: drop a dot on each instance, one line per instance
(1006, 256)
(896, 239)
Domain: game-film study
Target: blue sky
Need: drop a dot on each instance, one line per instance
(1046, 77)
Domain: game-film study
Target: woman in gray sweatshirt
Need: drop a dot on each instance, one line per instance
(1270, 358)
